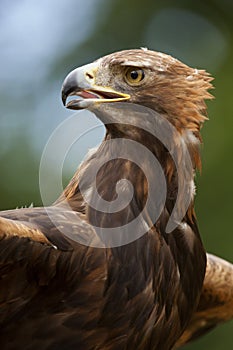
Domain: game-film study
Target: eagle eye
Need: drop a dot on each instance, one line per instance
(134, 75)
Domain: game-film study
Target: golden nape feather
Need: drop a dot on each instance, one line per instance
(106, 267)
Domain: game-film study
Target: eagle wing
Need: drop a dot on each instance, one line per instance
(44, 274)
(216, 302)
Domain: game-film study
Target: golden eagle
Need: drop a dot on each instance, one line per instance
(75, 276)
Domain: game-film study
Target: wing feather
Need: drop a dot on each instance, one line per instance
(10, 228)
(216, 301)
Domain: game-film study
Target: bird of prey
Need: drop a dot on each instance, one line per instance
(74, 276)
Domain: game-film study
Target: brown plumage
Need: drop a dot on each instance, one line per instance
(59, 289)
(216, 301)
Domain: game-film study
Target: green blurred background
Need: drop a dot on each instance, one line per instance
(42, 41)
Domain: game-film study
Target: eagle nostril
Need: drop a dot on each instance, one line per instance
(89, 75)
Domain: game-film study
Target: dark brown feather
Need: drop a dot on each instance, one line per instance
(216, 301)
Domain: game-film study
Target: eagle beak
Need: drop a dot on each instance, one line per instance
(81, 83)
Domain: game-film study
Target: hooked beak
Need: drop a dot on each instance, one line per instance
(81, 83)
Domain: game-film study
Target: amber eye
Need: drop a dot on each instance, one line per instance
(134, 75)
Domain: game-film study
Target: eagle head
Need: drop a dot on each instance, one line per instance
(148, 78)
